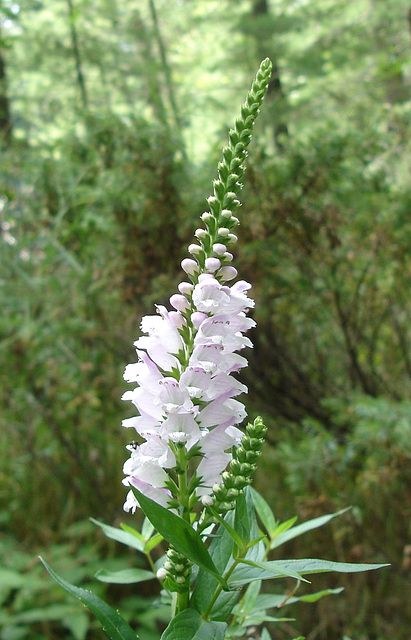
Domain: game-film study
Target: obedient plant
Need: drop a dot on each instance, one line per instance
(190, 465)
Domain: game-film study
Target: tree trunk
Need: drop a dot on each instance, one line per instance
(275, 92)
(77, 57)
(5, 117)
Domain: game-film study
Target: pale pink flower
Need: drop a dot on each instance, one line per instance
(190, 404)
(216, 447)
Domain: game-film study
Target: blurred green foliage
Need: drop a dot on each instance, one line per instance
(112, 118)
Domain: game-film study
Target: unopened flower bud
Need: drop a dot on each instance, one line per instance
(161, 574)
(179, 302)
(194, 249)
(223, 232)
(177, 319)
(200, 234)
(232, 238)
(190, 266)
(207, 501)
(229, 198)
(227, 256)
(180, 579)
(207, 216)
(197, 318)
(226, 213)
(235, 467)
(227, 273)
(219, 248)
(257, 429)
(205, 276)
(212, 264)
(185, 288)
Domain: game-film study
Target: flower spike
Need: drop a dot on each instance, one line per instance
(187, 358)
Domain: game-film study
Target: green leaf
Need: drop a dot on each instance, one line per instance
(310, 565)
(293, 532)
(153, 542)
(242, 519)
(220, 550)
(256, 551)
(313, 597)
(294, 568)
(264, 512)
(189, 625)
(125, 537)
(249, 598)
(243, 576)
(41, 614)
(179, 534)
(133, 531)
(265, 635)
(126, 576)
(231, 532)
(78, 624)
(284, 526)
(113, 624)
(270, 600)
(10, 579)
(147, 529)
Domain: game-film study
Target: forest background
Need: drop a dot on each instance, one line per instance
(112, 118)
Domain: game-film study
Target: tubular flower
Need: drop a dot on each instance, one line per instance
(186, 390)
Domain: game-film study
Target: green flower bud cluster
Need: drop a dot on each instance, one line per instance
(242, 467)
(176, 571)
(219, 220)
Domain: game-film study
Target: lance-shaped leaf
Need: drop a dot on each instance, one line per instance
(298, 530)
(294, 568)
(189, 625)
(264, 511)
(309, 565)
(179, 534)
(125, 576)
(113, 624)
(261, 571)
(266, 601)
(125, 537)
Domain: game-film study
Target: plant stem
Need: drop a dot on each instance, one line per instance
(184, 500)
(219, 588)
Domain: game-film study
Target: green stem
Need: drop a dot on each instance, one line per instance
(219, 589)
(150, 562)
(182, 598)
(183, 498)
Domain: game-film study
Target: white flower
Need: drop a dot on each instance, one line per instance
(189, 404)
(216, 447)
